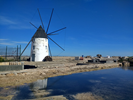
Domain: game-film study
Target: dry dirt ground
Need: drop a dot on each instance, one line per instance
(59, 66)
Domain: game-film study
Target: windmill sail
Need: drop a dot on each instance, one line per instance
(40, 47)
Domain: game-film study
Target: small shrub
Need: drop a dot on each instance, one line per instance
(99, 55)
(2, 59)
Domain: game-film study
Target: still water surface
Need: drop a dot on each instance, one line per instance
(110, 84)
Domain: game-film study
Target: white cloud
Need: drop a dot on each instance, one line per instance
(22, 42)
(6, 43)
(19, 27)
(3, 39)
(6, 21)
(11, 24)
(2, 42)
(71, 38)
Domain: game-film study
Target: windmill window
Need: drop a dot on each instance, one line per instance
(33, 57)
(46, 47)
(33, 40)
(33, 47)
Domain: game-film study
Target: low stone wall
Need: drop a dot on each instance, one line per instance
(10, 63)
(126, 63)
(4, 63)
(9, 66)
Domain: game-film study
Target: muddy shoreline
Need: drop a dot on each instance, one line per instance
(17, 78)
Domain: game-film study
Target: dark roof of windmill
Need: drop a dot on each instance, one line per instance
(40, 33)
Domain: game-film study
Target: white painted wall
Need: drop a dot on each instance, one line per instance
(39, 47)
(108, 56)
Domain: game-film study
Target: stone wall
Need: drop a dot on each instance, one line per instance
(8, 66)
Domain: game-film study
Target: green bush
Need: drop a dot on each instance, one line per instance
(2, 59)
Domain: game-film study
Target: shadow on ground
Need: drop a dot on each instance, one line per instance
(29, 67)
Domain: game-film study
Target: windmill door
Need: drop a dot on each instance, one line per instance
(33, 57)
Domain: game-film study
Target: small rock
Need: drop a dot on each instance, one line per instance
(42, 74)
(10, 74)
(56, 66)
(15, 73)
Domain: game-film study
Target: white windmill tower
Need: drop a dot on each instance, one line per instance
(39, 46)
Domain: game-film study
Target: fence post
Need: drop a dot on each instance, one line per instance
(17, 52)
(6, 53)
(20, 53)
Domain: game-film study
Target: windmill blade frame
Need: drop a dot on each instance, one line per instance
(25, 47)
(56, 30)
(49, 20)
(38, 35)
(33, 25)
(54, 34)
(40, 18)
(29, 41)
(50, 50)
(56, 43)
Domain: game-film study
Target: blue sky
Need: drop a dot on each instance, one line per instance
(93, 26)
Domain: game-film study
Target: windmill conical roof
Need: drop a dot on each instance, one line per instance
(40, 33)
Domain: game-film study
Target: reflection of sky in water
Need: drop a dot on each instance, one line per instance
(111, 84)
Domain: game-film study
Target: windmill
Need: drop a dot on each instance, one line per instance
(39, 46)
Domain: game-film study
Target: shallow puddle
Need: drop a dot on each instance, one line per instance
(107, 84)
